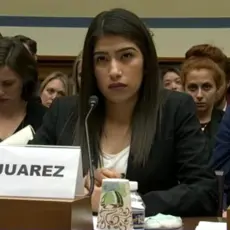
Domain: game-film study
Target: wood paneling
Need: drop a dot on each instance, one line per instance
(48, 64)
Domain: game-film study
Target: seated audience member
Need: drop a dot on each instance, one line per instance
(71, 85)
(171, 79)
(228, 82)
(77, 72)
(221, 154)
(139, 129)
(53, 86)
(18, 78)
(29, 43)
(202, 79)
(216, 55)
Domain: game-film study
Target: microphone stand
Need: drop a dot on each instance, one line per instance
(91, 166)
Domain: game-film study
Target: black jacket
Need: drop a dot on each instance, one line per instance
(176, 179)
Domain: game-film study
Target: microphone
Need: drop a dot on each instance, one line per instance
(93, 101)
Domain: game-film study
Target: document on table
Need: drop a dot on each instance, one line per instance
(22, 137)
(204, 225)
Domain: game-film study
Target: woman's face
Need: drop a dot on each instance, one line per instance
(10, 87)
(201, 86)
(55, 88)
(118, 64)
(172, 81)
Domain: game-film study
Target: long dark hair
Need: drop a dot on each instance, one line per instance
(14, 55)
(120, 22)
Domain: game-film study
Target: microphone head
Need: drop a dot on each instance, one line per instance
(93, 100)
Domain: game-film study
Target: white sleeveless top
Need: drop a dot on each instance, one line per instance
(117, 161)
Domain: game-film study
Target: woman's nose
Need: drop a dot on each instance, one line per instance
(114, 71)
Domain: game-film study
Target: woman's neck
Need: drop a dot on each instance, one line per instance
(120, 113)
(13, 110)
(204, 116)
(222, 105)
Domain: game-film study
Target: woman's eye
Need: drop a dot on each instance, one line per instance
(100, 59)
(127, 55)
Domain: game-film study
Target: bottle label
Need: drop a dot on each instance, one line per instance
(138, 219)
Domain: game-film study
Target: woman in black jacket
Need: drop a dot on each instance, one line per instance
(138, 129)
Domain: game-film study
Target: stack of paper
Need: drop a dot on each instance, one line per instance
(22, 137)
(203, 225)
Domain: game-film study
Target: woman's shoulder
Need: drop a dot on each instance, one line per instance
(65, 105)
(177, 108)
(58, 123)
(34, 114)
(173, 100)
(34, 107)
(217, 114)
(64, 108)
(68, 101)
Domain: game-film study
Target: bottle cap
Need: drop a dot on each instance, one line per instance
(133, 185)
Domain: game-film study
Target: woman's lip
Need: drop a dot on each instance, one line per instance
(117, 85)
(3, 99)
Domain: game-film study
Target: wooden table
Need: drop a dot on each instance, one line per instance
(191, 223)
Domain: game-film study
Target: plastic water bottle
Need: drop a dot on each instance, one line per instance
(138, 207)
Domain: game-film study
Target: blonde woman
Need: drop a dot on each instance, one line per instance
(54, 85)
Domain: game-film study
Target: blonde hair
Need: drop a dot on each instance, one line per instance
(55, 75)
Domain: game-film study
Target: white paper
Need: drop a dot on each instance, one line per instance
(40, 185)
(204, 225)
(162, 221)
(22, 137)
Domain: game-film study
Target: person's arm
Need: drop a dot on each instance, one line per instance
(46, 134)
(221, 155)
(196, 192)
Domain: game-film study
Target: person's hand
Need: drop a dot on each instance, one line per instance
(104, 173)
(86, 191)
(95, 198)
(99, 175)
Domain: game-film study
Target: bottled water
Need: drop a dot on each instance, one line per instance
(138, 207)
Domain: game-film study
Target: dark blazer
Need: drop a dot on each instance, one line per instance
(221, 155)
(35, 112)
(176, 179)
(211, 129)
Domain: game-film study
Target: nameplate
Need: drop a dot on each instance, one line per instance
(41, 171)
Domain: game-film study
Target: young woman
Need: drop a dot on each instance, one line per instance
(18, 81)
(202, 79)
(138, 129)
(171, 79)
(215, 54)
(55, 85)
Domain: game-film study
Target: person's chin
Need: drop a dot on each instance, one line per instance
(117, 99)
(201, 108)
(5, 102)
